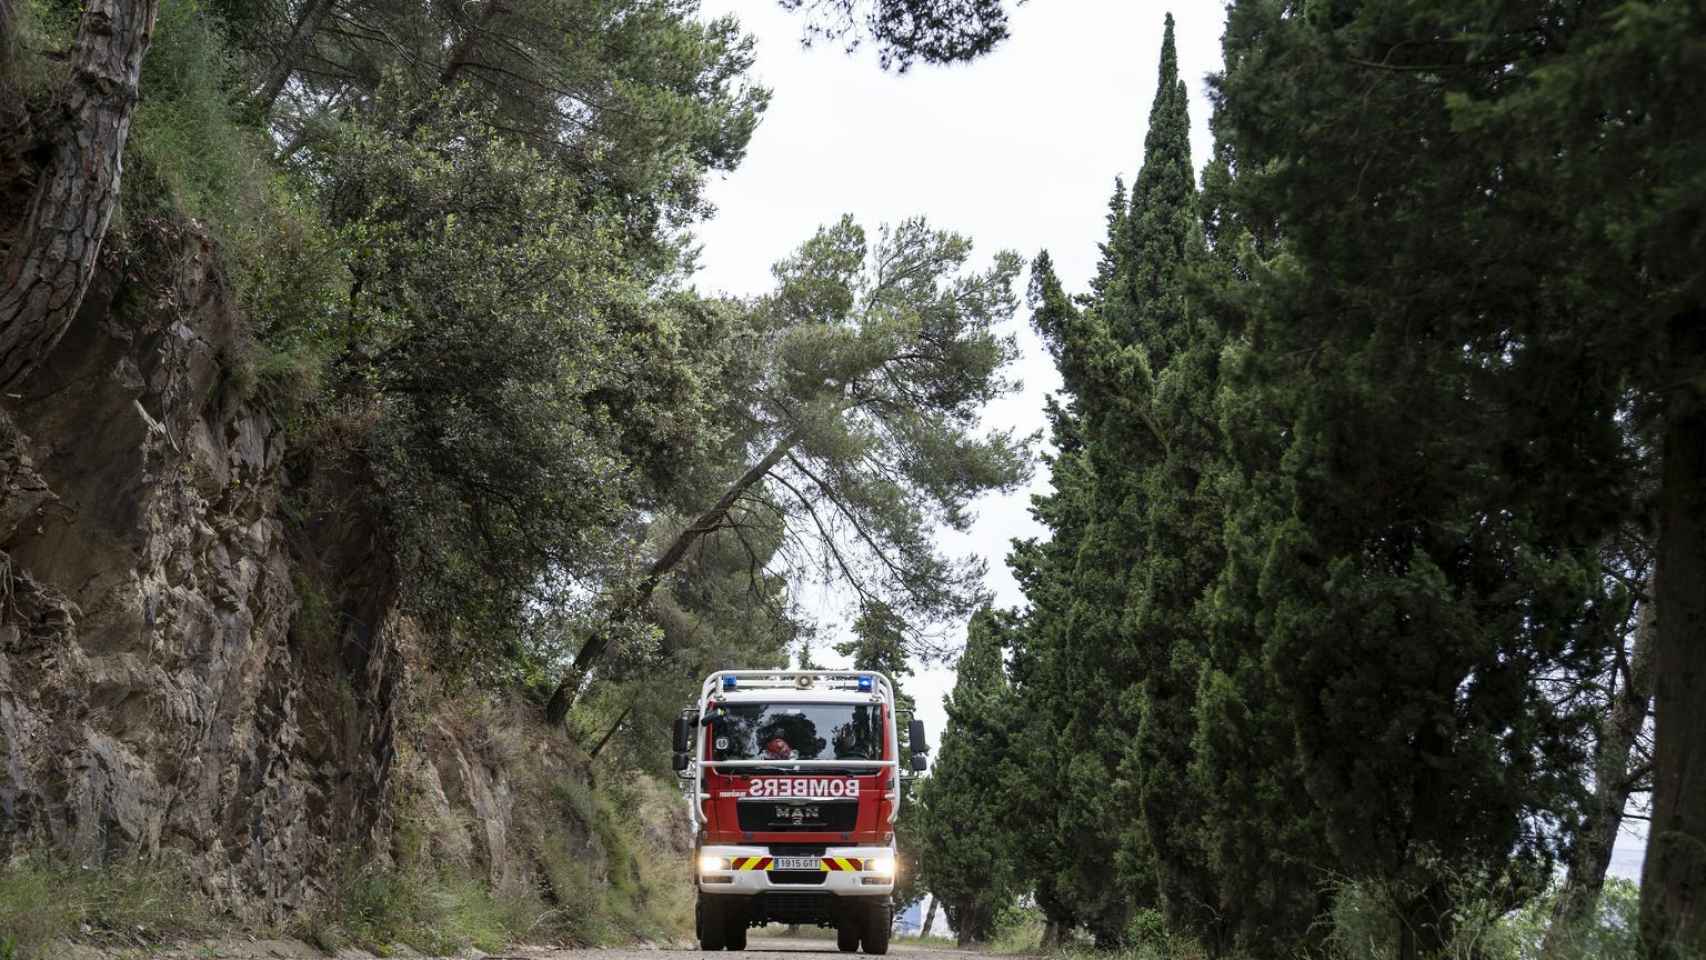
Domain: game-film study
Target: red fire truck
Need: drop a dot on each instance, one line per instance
(793, 782)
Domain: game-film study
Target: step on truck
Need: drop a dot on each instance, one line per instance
(793, 785)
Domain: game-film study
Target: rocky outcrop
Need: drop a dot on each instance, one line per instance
(159, 693)
(201, 654)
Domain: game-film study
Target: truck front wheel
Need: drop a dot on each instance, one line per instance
(734, 925)
(712, 928)
(877, 924)
(847, 935)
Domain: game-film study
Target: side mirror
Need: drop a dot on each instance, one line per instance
(915, 737)
(683, 735)
(678, 762)
(919, 764)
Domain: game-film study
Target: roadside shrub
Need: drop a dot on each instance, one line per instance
(1020, 931)
(191, 155)
(127, 903)
(587, 862)
(1361, 927)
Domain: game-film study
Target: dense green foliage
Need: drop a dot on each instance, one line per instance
(907, 31)
(856, 427)
(966, 860)
(1345, 464)
(1354, 436)
(462, 235)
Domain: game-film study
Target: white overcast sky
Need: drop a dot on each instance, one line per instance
(1017, 150)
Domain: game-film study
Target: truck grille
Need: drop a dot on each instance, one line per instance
(796, 908)
(798, 876)
(798, 816)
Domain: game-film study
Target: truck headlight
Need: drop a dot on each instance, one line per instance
(881, 865)
(711, 864)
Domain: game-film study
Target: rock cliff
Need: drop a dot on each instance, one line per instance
(159, 693)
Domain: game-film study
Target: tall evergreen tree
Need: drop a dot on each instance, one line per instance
(969, 856)
(1044, 702)
(1156, 451)
(1597, 109)
(1437, 457)
(1261, 834)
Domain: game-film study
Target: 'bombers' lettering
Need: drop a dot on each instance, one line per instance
(838, 787)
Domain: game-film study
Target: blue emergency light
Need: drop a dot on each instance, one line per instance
(728, 683)
(864, 684)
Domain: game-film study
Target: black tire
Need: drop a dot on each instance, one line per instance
(712, 931)
(734, 926)
(847, 935)
(875, 936)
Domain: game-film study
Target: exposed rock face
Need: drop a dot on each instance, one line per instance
(185, 674)
(154, 696)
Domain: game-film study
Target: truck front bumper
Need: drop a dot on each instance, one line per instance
(732, 870)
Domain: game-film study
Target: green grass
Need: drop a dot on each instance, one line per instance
(1019, 934)
(194, 158)
(583, 869)
(430, 911)
(43, 901)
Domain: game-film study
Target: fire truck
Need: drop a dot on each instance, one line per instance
(793, 785)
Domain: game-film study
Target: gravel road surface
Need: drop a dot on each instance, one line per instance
(769, 948)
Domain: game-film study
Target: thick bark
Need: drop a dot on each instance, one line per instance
(300, 36)
(929, 918)
(1673, 881)
(568, 688)
(1591, 856)
(48, 268)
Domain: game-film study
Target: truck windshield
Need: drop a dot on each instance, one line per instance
(798, 731)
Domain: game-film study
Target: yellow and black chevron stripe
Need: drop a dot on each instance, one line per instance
(828, 864)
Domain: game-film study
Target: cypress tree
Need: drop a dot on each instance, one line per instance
(969, 857)
(1437, 457)
(1053, 859)
(1161, 432)
(1260, 832)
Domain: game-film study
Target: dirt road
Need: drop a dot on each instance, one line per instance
(767, 948)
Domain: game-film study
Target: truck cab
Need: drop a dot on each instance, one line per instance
(793, 783)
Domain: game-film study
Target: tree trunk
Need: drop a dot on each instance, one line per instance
(300, 36)
(1051, 935)
(48, 268)
(611, 732)
(964, 934)
(1673, 881)
(568, 688)
(468, 47)
(1612, 781)
(929, 918)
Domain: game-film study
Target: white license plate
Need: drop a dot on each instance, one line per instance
(797, 863)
